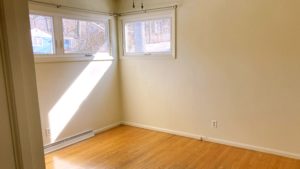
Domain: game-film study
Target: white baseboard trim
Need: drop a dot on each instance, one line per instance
(178, 133)
(215, 140)
(254, 148)
(77, 138)
(103, 129)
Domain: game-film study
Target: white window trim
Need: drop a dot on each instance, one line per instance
(171, 13)
(58, 14)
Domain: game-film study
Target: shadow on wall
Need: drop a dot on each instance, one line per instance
(72, 95)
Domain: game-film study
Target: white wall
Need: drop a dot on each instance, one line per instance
(102, 107)
(237, 62)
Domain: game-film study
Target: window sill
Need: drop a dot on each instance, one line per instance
(154, 56)
(72, 58)
(148, 57)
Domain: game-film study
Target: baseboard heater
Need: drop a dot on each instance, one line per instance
(68, 141)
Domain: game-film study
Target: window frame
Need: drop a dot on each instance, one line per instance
(58, 14)
(170, 13)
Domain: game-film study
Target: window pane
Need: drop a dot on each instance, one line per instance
(148, 36)
(86, 37)
(42, 34)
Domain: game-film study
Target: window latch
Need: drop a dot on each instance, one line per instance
(88, 55)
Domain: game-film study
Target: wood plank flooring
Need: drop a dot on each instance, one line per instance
(133, 148)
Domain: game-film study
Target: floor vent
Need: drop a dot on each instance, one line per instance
(68, 141)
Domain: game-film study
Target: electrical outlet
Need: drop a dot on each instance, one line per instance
(214, 123)
(48, 132)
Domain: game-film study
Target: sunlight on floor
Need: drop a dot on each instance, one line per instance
(60, 163)
(67, 106)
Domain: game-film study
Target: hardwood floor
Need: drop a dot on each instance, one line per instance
(132, 148)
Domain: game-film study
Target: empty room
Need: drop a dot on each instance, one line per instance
(150, 84)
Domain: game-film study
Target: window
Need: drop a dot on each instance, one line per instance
(42, 34)
(150, 34)
(66, 36)
(86, 37)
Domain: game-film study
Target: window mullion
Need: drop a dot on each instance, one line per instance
(109, 36)
(58, 35)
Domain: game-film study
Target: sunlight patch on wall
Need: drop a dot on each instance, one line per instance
(67, 106)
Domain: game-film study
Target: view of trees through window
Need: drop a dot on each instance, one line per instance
(148, 36)
(42, 34)
(87, 37)
(80, 36)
